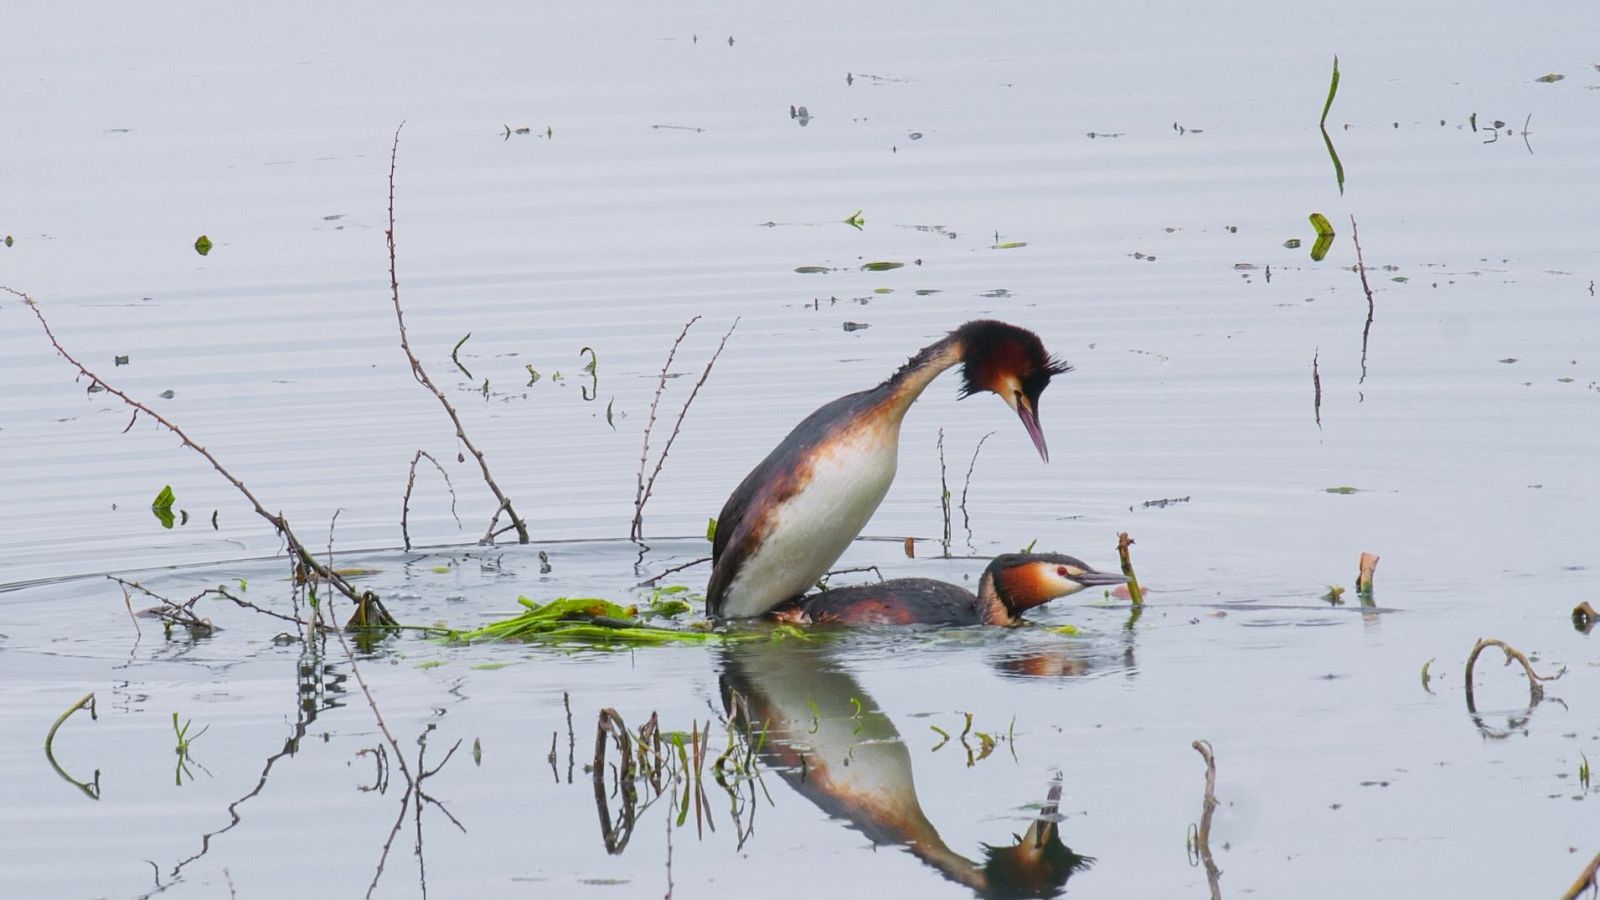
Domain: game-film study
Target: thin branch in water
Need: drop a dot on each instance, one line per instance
(370, 607)
(1361, 267)
(832, 572)
(1202, 834)
(966, 520)
(1535, 687)
(91, 789)
(421, 375)
(1316, 387)
(651, 582)
(643, 496)
(411, 480)
(944, 496)
(611, 724)
(649, 426)
(457, 360)
(181, 614)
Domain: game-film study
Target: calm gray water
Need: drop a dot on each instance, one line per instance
(1122, 181)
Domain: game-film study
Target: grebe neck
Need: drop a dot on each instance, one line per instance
(910, 380)
(992, 610)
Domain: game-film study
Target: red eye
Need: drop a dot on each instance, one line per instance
(1062, 571)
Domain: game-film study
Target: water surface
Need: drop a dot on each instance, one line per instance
(1121, 181)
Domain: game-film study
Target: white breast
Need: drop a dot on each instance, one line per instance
(812, 529)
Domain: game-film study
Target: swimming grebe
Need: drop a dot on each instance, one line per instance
(1011, 585)
(798, 510)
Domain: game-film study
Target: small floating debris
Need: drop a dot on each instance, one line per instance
(881, 266)
(1163, 503)
(202, 245)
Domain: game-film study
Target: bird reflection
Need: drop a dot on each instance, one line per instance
(830, 742)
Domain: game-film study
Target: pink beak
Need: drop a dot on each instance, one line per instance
(1030, 421)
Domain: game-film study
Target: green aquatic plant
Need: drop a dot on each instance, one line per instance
(162, 507)
(1333, 88)
(582, 620)
(202, 245)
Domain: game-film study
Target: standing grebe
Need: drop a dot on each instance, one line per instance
(1011, 585)
(797, 511)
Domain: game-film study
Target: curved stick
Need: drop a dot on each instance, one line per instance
(422, 378)
(1535, 689)
(91, 790)
(1202, 838)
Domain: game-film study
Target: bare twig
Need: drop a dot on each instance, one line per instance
(1586, 880)
(364, 600)
(421, 375)
(944, 496)
(1361, 267)
(646, 485)
(1535, 689)
(832, 572)
(355, 671)
(411, 480)
(616, 839)
(182, 614)
(650, 582)
(649, 425)
(966, 520)
(1316, 387)
(1202, 836)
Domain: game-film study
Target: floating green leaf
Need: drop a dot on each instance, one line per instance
(711, 529)
(1338, 167)
(202, 245)
(812, 270)
(1292, 243)
(1551, 78)
(881, 266)
(1010, 245)
(8, 240)
(1319, 250)
(1333, 88)
(162, 507)
(855, 220)
(1343, 489)
(1322, 225)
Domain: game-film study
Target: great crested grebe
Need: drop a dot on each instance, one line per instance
(1012, 584)
(798, 510)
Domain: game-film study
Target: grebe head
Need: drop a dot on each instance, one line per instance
(1011, 362)
(1025, 580)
